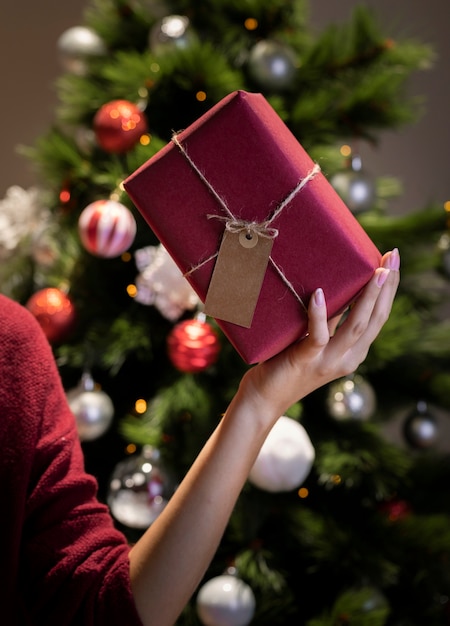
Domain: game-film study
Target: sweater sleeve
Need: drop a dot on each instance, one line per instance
(74, 567)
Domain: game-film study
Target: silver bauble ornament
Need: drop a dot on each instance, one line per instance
(225, 601)
(76, 45)
(139, 489)
(272, 65)
(351, 398)
(356, 187)
(420, 427)
(93, 409)
(169, 33)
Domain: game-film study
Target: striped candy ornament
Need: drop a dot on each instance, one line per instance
(106, 228)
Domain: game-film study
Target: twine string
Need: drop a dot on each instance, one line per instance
(236, 225)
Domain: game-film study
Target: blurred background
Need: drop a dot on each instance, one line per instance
(419, 155)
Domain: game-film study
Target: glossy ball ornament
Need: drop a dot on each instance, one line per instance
(76, 45)
(225, 601)
(355, 187)
(395, 510)
(118, 126)
(193, 345)
(169, 33)
(272, 65)
(351, 397)
(93, 409)
(285, 458)
(420, 427)
(106, 228)
(54, 311)
(139, 489)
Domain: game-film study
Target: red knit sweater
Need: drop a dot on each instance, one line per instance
(61, 560)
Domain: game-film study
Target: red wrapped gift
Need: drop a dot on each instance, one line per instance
(253, 224)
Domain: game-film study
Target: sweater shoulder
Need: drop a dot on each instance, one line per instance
(19, 329)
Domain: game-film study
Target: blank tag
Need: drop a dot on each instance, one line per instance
(237, 277)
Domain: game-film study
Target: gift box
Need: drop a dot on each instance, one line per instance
(253, 224)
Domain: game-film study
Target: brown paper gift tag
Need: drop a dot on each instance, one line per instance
(238, 276)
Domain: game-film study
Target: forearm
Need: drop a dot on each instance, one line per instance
(176, 550)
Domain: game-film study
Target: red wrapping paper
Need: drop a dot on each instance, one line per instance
(253, 161)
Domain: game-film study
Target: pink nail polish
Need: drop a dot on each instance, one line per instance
(319, 298)
(382, 276)
(394, 260)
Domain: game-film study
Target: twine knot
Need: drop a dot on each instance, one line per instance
(234, 225)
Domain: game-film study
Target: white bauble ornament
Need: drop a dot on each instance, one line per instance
(351, 397)
(139, 489)
(76, 45)
(225, 601)
(93, 409)
(285, 458)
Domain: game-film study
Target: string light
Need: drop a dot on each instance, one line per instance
(345, 150)
(303, 493)
(251, 23)
(140, 406)
(131, 448)
(200, 96)
(132, 291)
(145, 140)
(64, 196)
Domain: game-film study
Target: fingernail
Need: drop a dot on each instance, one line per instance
(394, 260)
(382, 275)
(319, 298)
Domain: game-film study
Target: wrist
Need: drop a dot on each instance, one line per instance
(252, 403)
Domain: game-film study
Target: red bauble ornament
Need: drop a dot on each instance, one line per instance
(54, 311)
(193, 345)
(118, 126)
(396, 510)
(106, 228)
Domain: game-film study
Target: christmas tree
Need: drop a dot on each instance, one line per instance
(345, 517)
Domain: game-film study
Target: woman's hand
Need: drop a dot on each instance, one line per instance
(328, 351)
